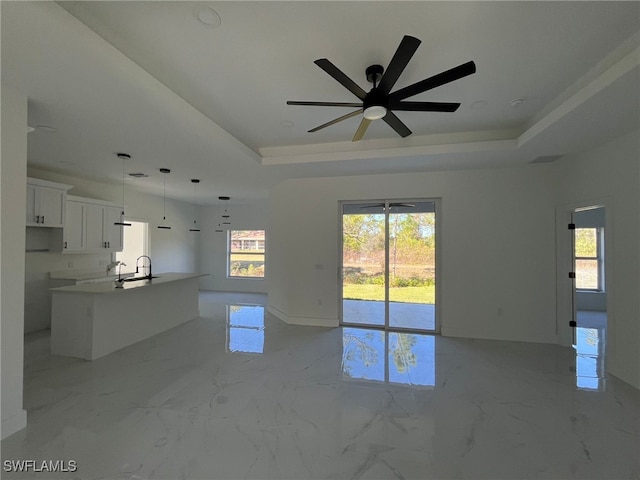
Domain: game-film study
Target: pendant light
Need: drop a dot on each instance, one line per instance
(164, 200)
(123, 157)
(195, 228)
(223, 221)
(225, 217)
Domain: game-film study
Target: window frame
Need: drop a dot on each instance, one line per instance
(599, 258)
(262, 254)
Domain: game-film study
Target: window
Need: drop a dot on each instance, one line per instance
(246, 253)
(589, 258)
(134, 245)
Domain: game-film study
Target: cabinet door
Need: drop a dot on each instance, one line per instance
(74, 228)
(94, 222)
(113, 233)
(50, 203)
(31, 205)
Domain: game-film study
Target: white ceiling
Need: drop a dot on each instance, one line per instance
(149, 79)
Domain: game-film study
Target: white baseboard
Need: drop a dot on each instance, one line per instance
(14, 423)
(307, 321)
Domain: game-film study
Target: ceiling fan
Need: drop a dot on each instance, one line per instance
(379, 102)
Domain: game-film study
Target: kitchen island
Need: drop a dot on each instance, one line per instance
(92, 320)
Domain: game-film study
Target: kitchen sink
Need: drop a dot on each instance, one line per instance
(135, 279)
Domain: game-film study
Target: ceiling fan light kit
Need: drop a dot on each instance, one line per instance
(380, 102)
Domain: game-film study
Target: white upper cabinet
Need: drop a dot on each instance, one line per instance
(45, 203)
(74, 240)
(90, 226)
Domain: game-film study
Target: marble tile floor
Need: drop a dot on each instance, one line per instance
(237, 394)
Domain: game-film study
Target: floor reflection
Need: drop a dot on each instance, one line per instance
(245, 328)
(390, 357)
(590, 344)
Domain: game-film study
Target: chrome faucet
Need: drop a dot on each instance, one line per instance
(143, 266)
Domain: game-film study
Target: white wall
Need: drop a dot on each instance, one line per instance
(497, 241)
(612, 172)
(172, 250)
(13, 193)
(213, 247)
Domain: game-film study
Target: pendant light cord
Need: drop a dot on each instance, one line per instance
(164, 197)
(123, 189)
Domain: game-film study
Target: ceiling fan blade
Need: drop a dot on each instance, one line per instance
(336, 120)
(398, 63)
(395, 123)
(325, 104)
(364, 124)
(405, 205)
(432, 82)
(424, 106)
(339, 75)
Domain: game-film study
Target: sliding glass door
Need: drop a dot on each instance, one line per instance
(389, 264)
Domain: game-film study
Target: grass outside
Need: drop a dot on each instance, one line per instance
(426, 295)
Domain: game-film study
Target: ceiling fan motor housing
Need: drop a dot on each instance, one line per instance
(374, 74)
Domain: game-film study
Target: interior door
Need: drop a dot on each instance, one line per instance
(389, 264)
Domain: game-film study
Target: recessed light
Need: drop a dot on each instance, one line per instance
(516, 102)
(208, 17)
(224, 198)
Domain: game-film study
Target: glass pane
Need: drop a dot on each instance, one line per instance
(246, 265)
(412, 265)
(363, 237)
(586, 242)
(587, 274)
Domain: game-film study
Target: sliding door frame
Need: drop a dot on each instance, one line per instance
(438, 257)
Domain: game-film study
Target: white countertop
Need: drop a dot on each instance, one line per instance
(82, 275)
(109, 287)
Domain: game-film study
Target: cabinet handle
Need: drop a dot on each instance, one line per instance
(42, 218)
(105, 244)
(65, 244)
(109, 244)
(37, 218)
